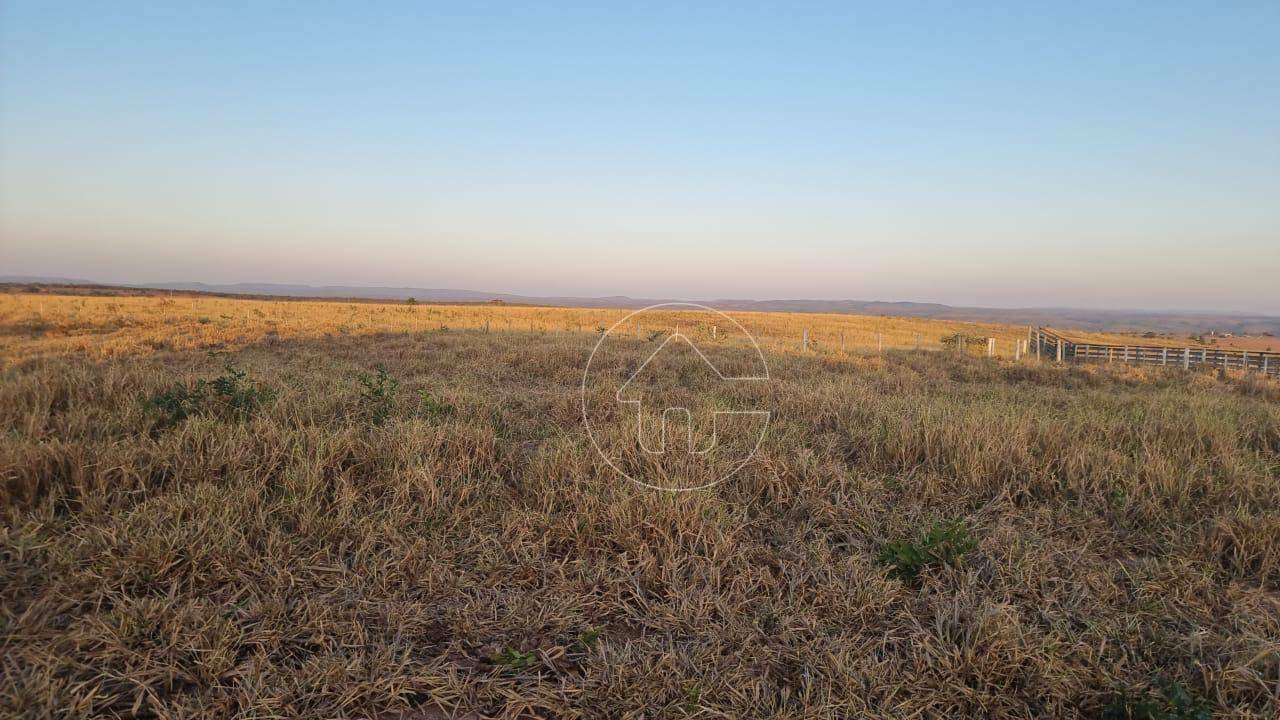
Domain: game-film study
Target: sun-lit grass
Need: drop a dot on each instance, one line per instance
(119, 326)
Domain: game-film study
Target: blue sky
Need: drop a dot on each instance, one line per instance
(1083, 154)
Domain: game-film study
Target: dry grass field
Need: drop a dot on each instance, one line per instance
(118, 326)
(225, 508)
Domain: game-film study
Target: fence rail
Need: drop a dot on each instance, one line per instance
(1046, 344)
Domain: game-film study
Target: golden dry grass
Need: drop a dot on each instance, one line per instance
(299, 560)
(119, 326)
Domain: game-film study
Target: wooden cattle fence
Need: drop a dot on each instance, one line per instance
(1046, 344)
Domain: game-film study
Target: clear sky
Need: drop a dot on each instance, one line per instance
(1084, 154)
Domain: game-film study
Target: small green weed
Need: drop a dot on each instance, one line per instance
(943, 544)
(1172, 702)
(433, 408)
(587, 640)
(692, 698)
(515, 659)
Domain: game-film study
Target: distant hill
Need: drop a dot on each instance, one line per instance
(1170, 322)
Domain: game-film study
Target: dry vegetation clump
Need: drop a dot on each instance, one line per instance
(414, 525)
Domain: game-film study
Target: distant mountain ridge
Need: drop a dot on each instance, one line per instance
(1179, 322)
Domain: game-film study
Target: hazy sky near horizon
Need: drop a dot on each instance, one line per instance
(1008, 154)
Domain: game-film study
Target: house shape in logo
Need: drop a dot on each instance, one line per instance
(632, 392)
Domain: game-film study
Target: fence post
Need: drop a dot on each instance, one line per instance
(879, 342)
(1059, 343)
(1017, 350)
(1266, 360)
(713, 332)
(991, 347)
(1186, 358)
(804, 343)
(1164, 357)
(1244, 359)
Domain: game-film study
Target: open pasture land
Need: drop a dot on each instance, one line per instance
(99, 326)
(225, 508)
(1252, 342)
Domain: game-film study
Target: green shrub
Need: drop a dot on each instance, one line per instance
(378, 396)
(942, 544)
(176, 404)
(238, 393)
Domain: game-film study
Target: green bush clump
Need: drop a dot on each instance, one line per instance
(232, 394)
(176, 404)
(241, 395)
